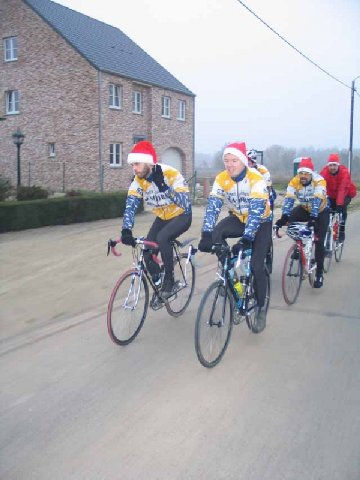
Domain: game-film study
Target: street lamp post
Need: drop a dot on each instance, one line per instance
(18, 137)
(351, 123)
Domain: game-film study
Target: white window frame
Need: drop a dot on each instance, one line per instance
(115, 96)
(115, 151)
(10, 49)
(12, 102)
(137, 102)
(181, 110)
(165, 106)
(52, 153)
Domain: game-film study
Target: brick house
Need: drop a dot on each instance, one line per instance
(83, 93)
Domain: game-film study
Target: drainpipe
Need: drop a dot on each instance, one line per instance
(101, 173)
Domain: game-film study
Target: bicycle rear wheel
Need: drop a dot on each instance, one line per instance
(312, 269)
(127, 307)
(328, 249)
(338, 250)
(184, 276)
(213, 325)
(292, 275)
(269, 257)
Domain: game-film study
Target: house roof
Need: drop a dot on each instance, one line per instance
(107, 48)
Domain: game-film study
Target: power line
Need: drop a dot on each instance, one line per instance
(292, 46)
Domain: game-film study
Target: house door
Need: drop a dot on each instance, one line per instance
(172, 157)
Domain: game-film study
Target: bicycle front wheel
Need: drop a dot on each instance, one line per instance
(328, 249)
(338, 250)
(127, 307)
(312, 267)
(184, 276)
(213, 325)
(292, 275)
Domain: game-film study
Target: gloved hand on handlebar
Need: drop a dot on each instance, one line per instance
(283, 220)
(127, 237)
(243, 244)
(205, 244)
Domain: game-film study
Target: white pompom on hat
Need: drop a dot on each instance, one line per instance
(306, 165)
(239, 150)
(143, 152)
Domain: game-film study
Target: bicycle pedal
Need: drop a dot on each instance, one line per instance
(157, 303)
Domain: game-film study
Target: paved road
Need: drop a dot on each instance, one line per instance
(281, 405)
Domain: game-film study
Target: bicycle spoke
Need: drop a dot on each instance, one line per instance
(213, 325)
(184, 276)
(292, 275)
(127, 308)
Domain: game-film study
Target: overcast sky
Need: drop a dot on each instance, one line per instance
(249, 84)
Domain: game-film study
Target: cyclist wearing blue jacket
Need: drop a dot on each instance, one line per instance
(245, 192)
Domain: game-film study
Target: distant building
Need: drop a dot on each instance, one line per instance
(83, 93)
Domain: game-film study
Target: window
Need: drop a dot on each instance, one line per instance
(115, 154)
(51, 149)
(115, 92)
(138, 138)
(165, 108)
(181, 110)
(12, 101)
(137, 102)
(10, 49)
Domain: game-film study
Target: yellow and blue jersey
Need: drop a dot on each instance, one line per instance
(247, 198)
(311, 197)
(165, 205)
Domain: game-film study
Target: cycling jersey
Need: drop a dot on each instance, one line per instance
(339, 184)
(165, 205)
(247, 198)
(265, 173)
(312, 197)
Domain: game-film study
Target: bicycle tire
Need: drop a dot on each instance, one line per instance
(270, 257)
(338, 251)
(173, 306)
(292, 275)
(208, 332)
(250, 316)
(328, 251)
(121, 331)
(313, 270)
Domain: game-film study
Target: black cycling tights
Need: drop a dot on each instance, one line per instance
(231, 227)
(162, 232)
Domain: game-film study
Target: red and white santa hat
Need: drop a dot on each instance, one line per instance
(143, 152)
(306, 165)
(333, 159)
(239, 150)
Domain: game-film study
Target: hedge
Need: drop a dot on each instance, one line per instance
(60, 211)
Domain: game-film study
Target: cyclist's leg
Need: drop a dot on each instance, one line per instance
(229, 227)
(152, 266)
(347, 200)
(321, 225)
(261, 246)
(171, 231)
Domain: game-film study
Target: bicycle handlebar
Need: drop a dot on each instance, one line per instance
(139, 241)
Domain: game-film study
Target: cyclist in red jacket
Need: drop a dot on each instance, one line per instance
(340, 189)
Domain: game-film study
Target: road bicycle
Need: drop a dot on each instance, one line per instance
(299, 261)
(130, 299)
(332, 244)
(228, 301)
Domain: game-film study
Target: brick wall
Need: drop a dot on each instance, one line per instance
(59, 103)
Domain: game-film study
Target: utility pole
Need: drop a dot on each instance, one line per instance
(351, 123)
